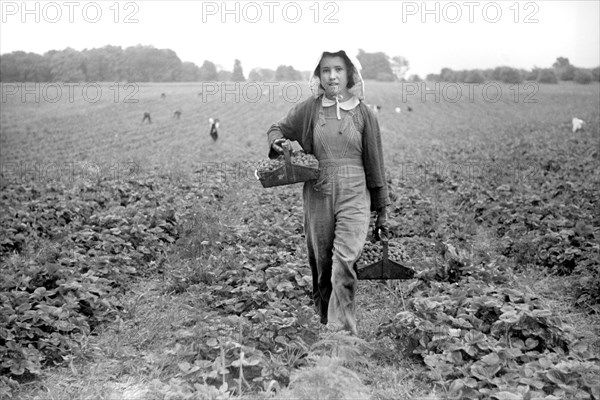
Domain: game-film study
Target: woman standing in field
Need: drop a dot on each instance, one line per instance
(343, 134)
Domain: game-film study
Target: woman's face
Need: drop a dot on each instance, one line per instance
(334, 75)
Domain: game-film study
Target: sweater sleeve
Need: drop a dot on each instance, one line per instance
(288, 127)
(373, 161)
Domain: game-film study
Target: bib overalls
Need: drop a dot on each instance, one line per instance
(336, 215)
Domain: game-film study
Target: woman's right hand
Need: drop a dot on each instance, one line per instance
(278, 145)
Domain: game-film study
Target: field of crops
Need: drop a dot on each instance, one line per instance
(146, 261)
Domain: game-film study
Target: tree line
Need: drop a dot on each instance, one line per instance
(562, 70)
(115, 64)
(149, 64)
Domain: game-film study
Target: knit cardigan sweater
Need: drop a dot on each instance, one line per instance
(298, 125)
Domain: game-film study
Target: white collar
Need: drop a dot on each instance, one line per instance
(345, 105)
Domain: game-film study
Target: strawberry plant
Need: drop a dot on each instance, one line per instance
(67, 252)
(485, 342)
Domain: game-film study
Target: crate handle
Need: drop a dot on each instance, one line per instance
(287, 152)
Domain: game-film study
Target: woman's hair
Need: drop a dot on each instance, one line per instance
(350, 68)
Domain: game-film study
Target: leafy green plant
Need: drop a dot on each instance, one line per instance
(481, 342)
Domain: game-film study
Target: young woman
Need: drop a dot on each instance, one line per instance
(343, 134)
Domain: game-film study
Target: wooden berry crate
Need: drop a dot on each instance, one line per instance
(288, 173)
(384, 268)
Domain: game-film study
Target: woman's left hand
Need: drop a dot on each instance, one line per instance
(381, 221)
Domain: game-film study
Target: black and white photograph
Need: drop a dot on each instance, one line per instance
(299, 200)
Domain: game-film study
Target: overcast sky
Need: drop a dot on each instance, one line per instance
(458, 35)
